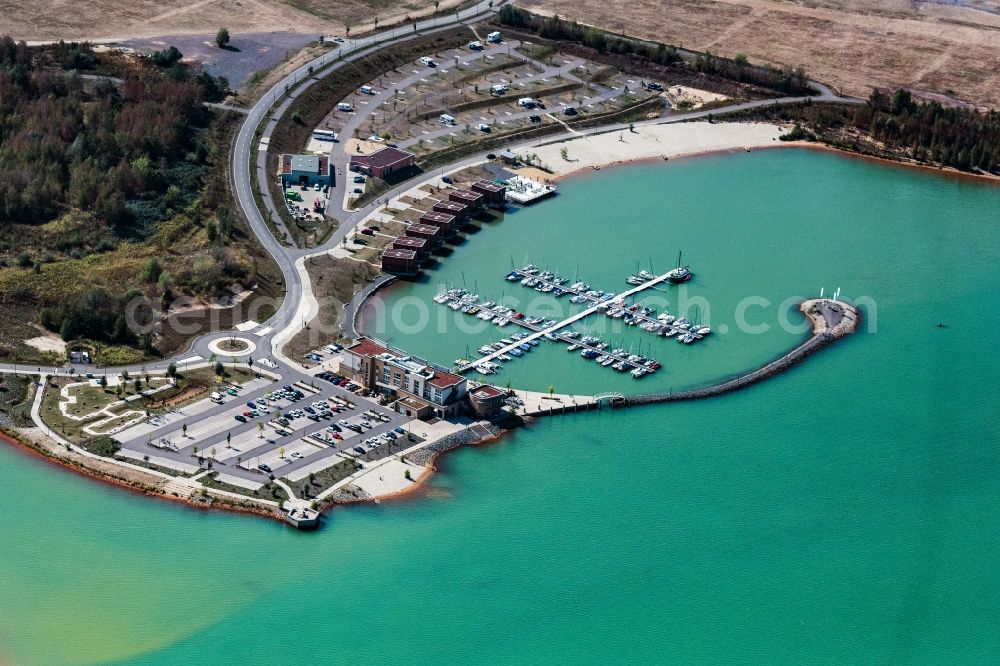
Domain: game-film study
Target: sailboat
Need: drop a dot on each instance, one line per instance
(681, 273)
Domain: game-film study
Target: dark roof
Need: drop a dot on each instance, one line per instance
(397, 253)
(451, 205)
(383, 158)
(437, 217)
(489, 186)
(423, 228)
(412, 241)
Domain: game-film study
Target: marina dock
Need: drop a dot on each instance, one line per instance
(551, 330)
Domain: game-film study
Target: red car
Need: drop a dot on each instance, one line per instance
(519, 315)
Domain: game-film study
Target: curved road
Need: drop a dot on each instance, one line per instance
(286, 257)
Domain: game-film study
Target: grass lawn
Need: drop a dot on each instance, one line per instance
(273, 493)
(323, 479)
(191, 386)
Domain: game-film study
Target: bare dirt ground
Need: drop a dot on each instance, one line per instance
(937, 47)
(100, 20)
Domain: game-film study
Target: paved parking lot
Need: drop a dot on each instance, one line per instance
(246, 448)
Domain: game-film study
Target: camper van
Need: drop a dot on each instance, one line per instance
(499, 89)
(494, 38)
(427, 62)
(368, 90)
(447, 119)
(526, 102)
(345, 106)
(324, 135)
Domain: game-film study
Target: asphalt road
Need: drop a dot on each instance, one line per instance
(285, 256)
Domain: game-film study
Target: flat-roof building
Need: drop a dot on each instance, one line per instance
(304, 170)
(416, 383)
(418, 245)
(494, 195)
(459, 210)
(383, 162)
(400, 262)
(431, 234)
(471, 199)
(444, 222)
(487, 401)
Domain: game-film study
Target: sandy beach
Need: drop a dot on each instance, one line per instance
(654, 142)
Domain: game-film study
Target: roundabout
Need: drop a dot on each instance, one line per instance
(232, 346)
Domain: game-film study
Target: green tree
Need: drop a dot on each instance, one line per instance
(172, 370)
(219, 369)
(260, 429)
(152, 270)
(222, 37)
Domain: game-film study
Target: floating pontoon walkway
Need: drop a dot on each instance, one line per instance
(561, 325)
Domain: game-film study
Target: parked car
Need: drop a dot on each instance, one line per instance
(264, 468)
(241, 418)
(447, 179)
(359, 179)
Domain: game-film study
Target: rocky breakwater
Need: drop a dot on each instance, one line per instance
(831, 320)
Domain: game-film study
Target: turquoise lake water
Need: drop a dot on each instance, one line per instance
(845, 511)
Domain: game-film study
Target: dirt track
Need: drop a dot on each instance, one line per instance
(116, 19)
(851, 44)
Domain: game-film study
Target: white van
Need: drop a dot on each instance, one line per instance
(476, 46)
(494, 38)
(345, 106)
(368, 90)
(499, 89)
(447, 120)
(427, 62)
(215, 396)
(526, 102)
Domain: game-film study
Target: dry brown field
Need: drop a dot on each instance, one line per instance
(122, 19)
(944, 47)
